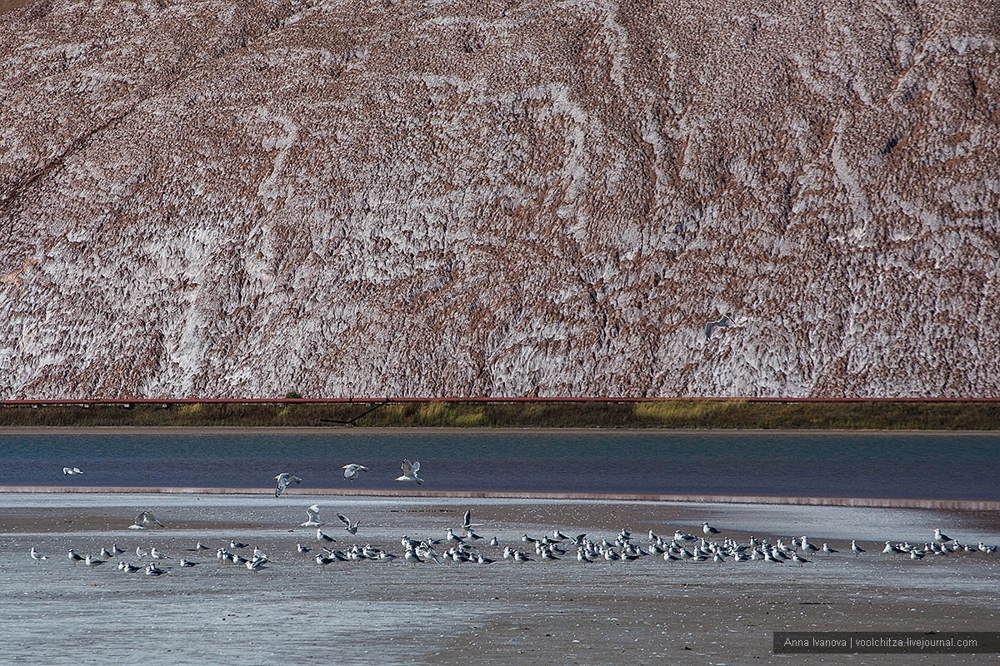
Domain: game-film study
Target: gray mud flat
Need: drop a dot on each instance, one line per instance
(296, 611)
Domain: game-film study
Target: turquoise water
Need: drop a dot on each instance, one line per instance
(890, 465)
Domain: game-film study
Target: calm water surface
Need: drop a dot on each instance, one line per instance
(890, 465)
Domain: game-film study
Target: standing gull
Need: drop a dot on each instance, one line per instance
(284, 479)
(410, 471)
(351, 471)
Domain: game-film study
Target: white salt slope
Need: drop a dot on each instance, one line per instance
(529, 199)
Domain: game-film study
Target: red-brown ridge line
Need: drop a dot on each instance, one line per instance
(871, 502)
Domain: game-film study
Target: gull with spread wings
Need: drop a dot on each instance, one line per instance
(351, 471)
(143, 519)
(313, 513)
(352, 527)
(410, 471)
(284, 480)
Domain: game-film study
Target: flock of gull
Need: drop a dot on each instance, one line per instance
(285, 479)
(351, 472)
(462, 544)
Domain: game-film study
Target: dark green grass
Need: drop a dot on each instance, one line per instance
(680, 414)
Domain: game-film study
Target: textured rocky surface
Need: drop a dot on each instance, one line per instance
(499, 198)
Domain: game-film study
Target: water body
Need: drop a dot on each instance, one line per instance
(821, 464)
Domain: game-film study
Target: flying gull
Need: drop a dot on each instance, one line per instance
(143, 519)
(351, 527)
(284, 479)
(69, 471)
(351, 471)
(410, 471)
(467, 521)
(313, 513)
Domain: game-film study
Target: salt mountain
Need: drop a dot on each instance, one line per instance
(499, 198)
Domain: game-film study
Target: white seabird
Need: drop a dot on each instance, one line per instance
(708, 529)
(35, 555)
(941, 538)
(351, 471)
(143, 519)
(410, 471)
(467, 521)
(855, 548)
(256, 565)
(284, 479)
(323, 537)
(153, 570)
(351, 527)
(70, 471)
(313, 513)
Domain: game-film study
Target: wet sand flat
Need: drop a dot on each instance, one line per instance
(56, 612)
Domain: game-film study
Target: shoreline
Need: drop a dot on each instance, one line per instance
(395, 430)
(858, 502)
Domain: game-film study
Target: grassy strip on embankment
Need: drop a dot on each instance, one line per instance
(771, 414)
